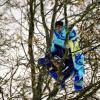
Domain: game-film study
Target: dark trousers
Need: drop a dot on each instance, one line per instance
(60, 52)
(68, 63)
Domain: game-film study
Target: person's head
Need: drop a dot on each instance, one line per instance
(58, 26)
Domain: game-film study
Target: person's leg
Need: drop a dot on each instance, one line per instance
(56, 64)
(78, 80)
(69, 66)
(53, 74)
(68, 70)
(79, 85)
(66, 76)
(44, 62)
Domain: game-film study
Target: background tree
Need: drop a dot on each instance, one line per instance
(25, 35)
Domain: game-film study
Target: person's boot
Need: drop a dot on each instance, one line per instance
(53, 74)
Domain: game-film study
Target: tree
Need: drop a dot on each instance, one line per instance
(26, 34)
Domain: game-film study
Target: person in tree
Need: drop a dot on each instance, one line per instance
(74, 63)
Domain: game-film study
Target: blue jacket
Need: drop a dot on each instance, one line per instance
(59, 38)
